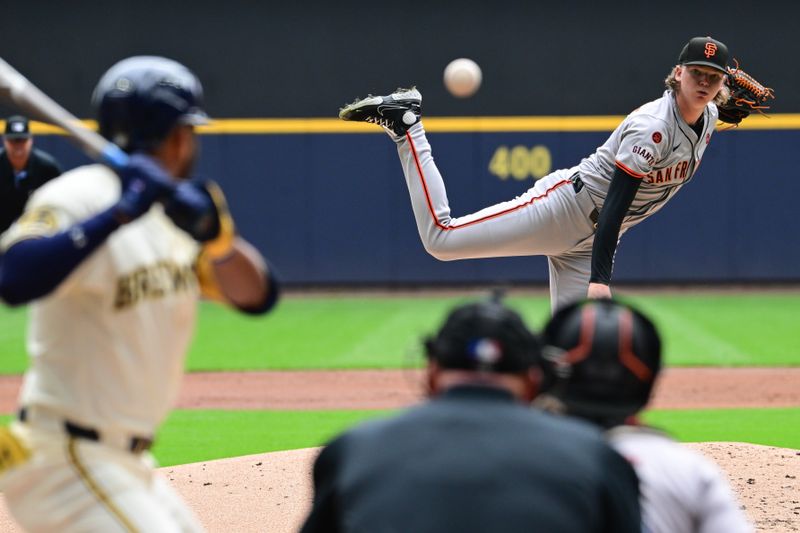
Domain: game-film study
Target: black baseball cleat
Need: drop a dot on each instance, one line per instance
(396, 112)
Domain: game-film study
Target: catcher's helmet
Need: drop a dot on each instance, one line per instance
(484, 336)
(601, 359)
(140, 99)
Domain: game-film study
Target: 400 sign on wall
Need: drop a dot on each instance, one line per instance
(520, 162)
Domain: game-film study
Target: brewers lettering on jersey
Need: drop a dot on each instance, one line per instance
(573, 216)
(112, 265)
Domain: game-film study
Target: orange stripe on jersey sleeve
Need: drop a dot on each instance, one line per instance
(629, 171)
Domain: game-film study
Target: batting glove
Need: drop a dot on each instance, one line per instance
(144, 182)
(191, 208)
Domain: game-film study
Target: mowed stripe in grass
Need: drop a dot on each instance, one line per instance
(384, 332)
(308, 333)
(341, 332)
(727, 329)
(696, 337)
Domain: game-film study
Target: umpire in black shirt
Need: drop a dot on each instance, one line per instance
(475, 458)
(23, 169)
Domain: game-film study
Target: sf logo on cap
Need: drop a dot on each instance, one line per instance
(711, 49)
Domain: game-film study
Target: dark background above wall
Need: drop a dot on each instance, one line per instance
(307, 58)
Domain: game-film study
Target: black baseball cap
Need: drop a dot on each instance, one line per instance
(487, 337)
(705, 51)
(17, 127)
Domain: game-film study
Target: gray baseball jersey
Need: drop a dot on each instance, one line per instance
(655, 144)
(681, 491)
(555, 217)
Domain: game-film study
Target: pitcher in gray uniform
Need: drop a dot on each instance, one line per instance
(574, 216)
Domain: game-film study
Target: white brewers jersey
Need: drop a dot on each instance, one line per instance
(681, 491)
(655, 144)
(107, 347)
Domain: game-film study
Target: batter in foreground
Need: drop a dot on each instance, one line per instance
(112, 266)
(574, 216)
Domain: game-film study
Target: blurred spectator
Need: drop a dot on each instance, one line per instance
(23, 169)
(602, 359)
(475, 458)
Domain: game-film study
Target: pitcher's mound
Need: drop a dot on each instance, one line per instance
(272, 491)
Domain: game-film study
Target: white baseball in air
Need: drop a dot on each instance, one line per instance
(462, 77)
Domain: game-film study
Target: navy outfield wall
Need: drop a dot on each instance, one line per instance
(332, 208)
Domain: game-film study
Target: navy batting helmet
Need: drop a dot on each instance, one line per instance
(601, 359)
(484, 336)
(141, 98)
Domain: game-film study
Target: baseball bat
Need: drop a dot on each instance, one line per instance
(18, 90)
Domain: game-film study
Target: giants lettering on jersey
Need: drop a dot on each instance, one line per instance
(153, 281)
(677, 172)
(645, 153)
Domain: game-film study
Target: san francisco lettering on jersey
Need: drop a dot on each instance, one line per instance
(153, 281)
(676, 172)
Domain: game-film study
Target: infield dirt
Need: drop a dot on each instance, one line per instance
(271, 492)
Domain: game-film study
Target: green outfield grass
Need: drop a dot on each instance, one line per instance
(190, 436)
(12, 340)
(200, 435)
(735, 330)
(384, 332)
(770, 427)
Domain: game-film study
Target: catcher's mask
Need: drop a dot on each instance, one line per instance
(601, 359)
(485, 336)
